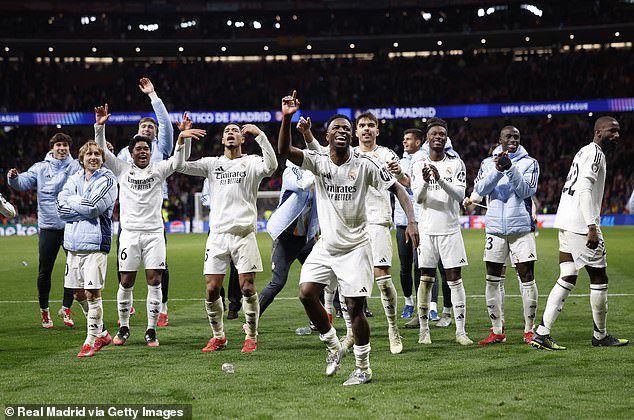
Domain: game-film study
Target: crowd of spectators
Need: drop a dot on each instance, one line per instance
(309, 22)
(553, 142)
(323, 83)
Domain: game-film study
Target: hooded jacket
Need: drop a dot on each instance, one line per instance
(86, 208)
(48, 176)
(509, 192)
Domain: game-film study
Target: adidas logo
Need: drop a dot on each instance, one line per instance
(363, 290)
(462, 261)
(383, 260)
(162, 264)
(255, 267)
(531, 256)
(89, 283)
(220, 169)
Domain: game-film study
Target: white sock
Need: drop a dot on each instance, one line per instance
(84, 306)
(94, 320)
(331, 340)
(346, 315)
(459, 301)
(423, 297)
(329, 298)
(502, 296)
(215, 312)
(446, 310)
(163, 307)
(124, 303)
(493, 300)
(599, 304)
(433, 306)
(529, 300)
(153, 305)
(554, 305)
(409, 301)
(251, 308)
(362, 356)
(388, 299)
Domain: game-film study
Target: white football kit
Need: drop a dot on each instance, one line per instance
(343, 252)
(378, 210)
(140, 204)
(233, 189)
(439, 221)
(580, 206)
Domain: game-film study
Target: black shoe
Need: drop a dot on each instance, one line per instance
(368, 313)
(609, 341)
(545, 342)
(122, 335)
(232, 314)
(339, 314)
(150, 338)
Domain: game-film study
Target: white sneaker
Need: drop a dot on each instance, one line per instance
(445, 321)
(424, 337)
(396, 345)
(359, 377)
(347, 341)
(6, 208)
(463, 340)
(333, 361)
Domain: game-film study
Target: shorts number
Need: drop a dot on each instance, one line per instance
(66, 271)
(489, 245)
(206, 254)
(123, 254)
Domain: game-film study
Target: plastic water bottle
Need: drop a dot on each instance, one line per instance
(228, 368)
(303, 331)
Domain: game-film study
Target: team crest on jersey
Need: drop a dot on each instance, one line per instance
(352, 174)
(595, 167)
(449, 170)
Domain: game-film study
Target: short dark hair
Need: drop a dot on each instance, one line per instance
(60, 138)
(417, 133)
(139, 138)
(433, 122)
(334, 117)
(368, 115)
(231, 123)
(602, 121)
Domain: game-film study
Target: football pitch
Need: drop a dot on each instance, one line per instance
(285, 376)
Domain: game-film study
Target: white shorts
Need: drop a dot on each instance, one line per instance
(85, 270)
(447, 248)
(351, 271)
(222, 248)
(520, 248)
(575, 244)
(381, 242)
(141, 247)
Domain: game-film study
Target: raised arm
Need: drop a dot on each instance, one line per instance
(303, 126)
(165, 128)
(177, 161)
(268, 154)
(115, 164)
(290, 105)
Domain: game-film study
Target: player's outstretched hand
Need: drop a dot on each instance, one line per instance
(250, 130)
(13, 173)
(411, 234)
(290, 104)
(101, 114)
(303, 125)
(593, 238)
(393, 167)
(195, 133)
(146, 85)
(186, 123)
(110, 147)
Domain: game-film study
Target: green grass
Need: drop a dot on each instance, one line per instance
(285, 377)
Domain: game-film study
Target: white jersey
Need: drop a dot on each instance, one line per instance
(378, 208)
(440, 211)
(140, 189)
(341, 196)
(233, 188)
(587, 173)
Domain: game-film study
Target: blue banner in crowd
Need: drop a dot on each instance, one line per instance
(392, 113)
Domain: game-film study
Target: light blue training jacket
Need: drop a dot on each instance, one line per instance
(87, 211)
(295, 195)
(48, 176)
(509, 192)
